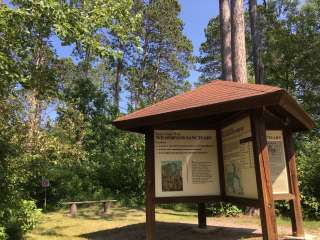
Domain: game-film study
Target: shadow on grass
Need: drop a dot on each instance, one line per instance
(96, 214)
(182, 214)
(176, 231)
(51, 232)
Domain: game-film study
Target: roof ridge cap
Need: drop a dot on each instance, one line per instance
(248, 86)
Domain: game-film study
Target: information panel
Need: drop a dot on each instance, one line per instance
(238, 160)
(277, 161)
(186, 163)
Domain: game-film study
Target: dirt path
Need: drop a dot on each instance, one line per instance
(244, 224)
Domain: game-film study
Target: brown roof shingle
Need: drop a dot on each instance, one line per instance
(209, 95)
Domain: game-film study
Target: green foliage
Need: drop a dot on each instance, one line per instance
(224, 209)
(28, 215)
(213, 209)
(161, 69)
(86, 23)
(282, 208)
(210, 54)
(311, 207)
(124, 165)
(180, 207)
(308, 170)
(32, 77)
(19, 217)
(3, 235)
(293, 67)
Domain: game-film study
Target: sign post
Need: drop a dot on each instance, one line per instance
(295, 204)
(149, 185)
(45, 184)
(264, 182)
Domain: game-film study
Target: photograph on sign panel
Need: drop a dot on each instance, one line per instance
(233, 179)
(171, 174)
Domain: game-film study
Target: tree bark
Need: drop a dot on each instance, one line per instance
(116, 87)
(34, 115)
(239, 66)
(256, 42)
(225, 32)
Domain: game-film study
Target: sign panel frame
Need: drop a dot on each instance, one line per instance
(277, 159)
(242, 138)
(197, 155)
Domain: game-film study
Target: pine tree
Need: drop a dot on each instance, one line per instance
(161, 69)
(225, 31)
(239, 65)
(210, 53)
(256, 41)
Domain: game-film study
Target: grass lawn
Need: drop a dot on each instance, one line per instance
(125, 223)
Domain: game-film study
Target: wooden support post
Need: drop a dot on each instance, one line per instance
(263, 176)
(106, 206)
(295, 205)
(202, 218)
(149, 185)
(73, 209)
(221, 166)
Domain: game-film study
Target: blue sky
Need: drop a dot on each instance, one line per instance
(196, 15)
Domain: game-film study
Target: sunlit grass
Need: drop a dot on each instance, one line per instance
(58, 225)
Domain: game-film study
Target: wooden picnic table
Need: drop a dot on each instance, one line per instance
(106, 204)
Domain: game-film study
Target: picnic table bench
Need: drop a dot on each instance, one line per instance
(106, 204)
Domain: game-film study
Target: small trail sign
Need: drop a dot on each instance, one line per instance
(45, 183)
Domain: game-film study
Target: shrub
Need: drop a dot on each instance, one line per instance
(21, 218)
(310, 207)
(29, 215)
(224, 209)
(282, 208)
(308, 164)
(3, 235)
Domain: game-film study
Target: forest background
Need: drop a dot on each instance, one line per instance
(126, 54)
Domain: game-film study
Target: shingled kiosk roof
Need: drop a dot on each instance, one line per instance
(218, 97)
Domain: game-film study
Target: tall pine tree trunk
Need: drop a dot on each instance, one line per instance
(256, 42)
(116, 87)
(225, 31)
(239, 66)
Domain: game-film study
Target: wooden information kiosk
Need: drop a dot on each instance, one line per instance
(223, 141)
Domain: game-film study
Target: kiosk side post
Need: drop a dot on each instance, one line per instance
(263, 175)
(202, 218)
(220, 162)
(295, 205)
(149, 185)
